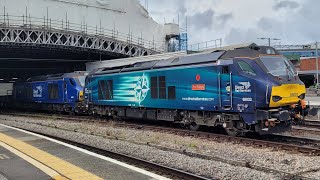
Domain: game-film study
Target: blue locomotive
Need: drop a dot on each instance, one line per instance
(56, 93)
(250, 89)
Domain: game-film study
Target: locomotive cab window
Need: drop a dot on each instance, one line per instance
(82, 80)
(225, 70)
(246, 68)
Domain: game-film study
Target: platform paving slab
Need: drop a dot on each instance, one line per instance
(14, 167)
(86, 163)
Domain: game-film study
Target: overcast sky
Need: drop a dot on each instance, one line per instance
(240, 21)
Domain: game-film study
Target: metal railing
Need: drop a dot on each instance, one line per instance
(286, 47)
(217, 43)
(47, 23)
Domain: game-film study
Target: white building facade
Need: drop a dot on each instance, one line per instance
(125, 20)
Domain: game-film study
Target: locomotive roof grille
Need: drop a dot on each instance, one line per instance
(252, 51)
(57, 76)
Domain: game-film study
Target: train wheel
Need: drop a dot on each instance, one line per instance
(183, 125)
(194, 127)
(232, 131)
(116, 118)
(230, 128)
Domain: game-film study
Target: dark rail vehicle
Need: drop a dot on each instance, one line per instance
(57, 93)
(251, 89)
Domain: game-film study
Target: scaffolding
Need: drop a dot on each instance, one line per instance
(24, 29)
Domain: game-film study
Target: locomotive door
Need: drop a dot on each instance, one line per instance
(225, 87)
(89, 91)
(65, 91)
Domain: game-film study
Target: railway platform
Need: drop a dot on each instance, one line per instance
(25, 155)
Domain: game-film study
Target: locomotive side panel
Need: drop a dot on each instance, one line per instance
(191, 88)
(205, 88)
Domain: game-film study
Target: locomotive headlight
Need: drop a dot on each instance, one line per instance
(276, 98)
(302, 96)
(81, 96)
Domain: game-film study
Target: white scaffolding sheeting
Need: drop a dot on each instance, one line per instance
(121, 20)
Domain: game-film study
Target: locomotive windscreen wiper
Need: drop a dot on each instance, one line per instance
(289, 71)
(288, 74)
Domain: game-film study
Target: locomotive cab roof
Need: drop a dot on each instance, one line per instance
(57, 76)
(251, 51)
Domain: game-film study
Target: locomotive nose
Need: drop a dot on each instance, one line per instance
(287, 94)
(81, 97)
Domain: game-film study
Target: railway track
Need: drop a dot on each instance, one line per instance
(277, 142)
(311, 124)
(176, 174)
(302, 130)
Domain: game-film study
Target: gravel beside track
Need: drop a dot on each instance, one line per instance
(139, 143)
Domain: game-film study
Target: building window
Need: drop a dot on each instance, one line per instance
(154, 88)
(171, 92)
(53, 91)
(162, 87)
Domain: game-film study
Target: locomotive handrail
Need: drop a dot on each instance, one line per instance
(219, 84)
(267, 89)
(231, 96)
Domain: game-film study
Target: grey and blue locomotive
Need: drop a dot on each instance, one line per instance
(251, 89)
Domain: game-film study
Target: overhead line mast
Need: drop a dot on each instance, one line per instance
(269, 40)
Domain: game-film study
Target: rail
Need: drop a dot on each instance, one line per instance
(170, 171)
(279, 142)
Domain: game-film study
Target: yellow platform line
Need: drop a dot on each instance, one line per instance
(42, 167)
(49, 164)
